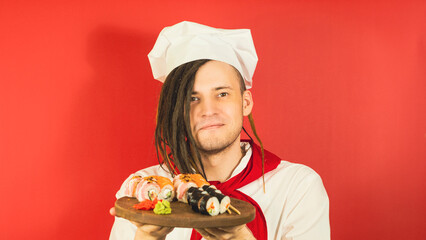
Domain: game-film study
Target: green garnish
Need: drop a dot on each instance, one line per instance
(162, 207)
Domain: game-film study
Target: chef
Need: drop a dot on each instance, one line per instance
(207, 73)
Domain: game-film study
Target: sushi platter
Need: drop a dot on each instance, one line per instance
(182, 215)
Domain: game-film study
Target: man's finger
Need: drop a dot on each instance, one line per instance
(232, 229)
(158, 232)
(204, 233)
(136, 224)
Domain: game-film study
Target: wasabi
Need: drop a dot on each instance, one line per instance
(162, 207)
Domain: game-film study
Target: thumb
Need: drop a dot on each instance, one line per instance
(112, 211)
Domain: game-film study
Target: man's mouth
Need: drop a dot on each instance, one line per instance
(211, 126)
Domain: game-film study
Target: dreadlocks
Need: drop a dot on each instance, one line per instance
(173, 138)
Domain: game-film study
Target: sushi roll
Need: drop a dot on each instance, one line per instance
(211, 189)
(190, 191)
(131, 185)
(224, 201)
(166, 188)
(199, 180)
(209, 205)
(194, 192)
(205, 187)
(182, 189)
(177, 181)
(181, 178)
(147, 190)
(195, 198)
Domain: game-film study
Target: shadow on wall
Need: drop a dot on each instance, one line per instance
(111, 132)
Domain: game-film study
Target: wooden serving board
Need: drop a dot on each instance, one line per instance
(183, 216)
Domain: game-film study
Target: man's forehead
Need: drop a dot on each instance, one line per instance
(216, 75)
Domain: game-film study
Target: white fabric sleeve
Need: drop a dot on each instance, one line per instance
(122, 228)
(307, 217)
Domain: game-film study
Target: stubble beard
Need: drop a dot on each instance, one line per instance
(216, 144)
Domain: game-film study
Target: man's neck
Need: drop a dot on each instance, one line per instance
(219, 166)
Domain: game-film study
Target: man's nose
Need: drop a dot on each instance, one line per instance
(208, 107)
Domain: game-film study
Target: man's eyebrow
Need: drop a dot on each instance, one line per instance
(216, 89)
(222, 87)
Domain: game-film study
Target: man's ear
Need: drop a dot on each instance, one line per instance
(247, 102)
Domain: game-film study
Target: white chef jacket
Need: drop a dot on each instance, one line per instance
(295, 204)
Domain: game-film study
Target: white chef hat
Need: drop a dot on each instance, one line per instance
(187, 41)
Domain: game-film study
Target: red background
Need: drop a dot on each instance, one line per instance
(340, 86)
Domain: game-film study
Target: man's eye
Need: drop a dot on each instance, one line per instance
(194, 99)
(224, 94)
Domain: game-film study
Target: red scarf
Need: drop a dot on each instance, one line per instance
(251, 172)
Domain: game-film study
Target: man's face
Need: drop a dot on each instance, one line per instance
(217, 107)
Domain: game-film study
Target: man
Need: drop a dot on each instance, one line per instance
(200, 117)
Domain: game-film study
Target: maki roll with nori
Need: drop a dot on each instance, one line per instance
(200, 195)
(194, 199)
(211, 189)
(209, 205)
(205, 187)
(224, 201)
(190, 191)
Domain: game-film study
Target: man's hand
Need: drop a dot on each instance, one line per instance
(146, 231)
(238, 232)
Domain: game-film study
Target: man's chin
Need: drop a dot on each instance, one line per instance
(209, 150)
(212, 145)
